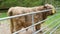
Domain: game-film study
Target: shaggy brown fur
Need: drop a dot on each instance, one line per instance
(25, 21)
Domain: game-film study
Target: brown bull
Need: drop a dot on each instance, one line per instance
(25, 21)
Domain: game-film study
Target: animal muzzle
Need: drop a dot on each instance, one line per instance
(53, 11)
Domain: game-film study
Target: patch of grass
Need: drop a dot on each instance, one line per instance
(3, 14)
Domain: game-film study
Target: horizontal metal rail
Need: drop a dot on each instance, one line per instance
(52, 23)
(54, 29)
(35, 24)
(23, 14)
(57, 8)
(46, 26)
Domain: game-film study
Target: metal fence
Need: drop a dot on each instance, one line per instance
(32, 13)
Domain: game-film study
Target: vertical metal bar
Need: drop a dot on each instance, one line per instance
(33, 22)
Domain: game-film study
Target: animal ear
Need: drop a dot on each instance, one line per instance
(45, 7)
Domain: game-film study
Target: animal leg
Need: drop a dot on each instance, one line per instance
(38, 27)
(11, 26)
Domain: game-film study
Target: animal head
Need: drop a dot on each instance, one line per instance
(50, 12)
(49, 6)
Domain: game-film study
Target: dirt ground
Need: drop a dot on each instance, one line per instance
(4, 27)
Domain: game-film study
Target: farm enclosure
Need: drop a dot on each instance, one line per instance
(5, 24)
